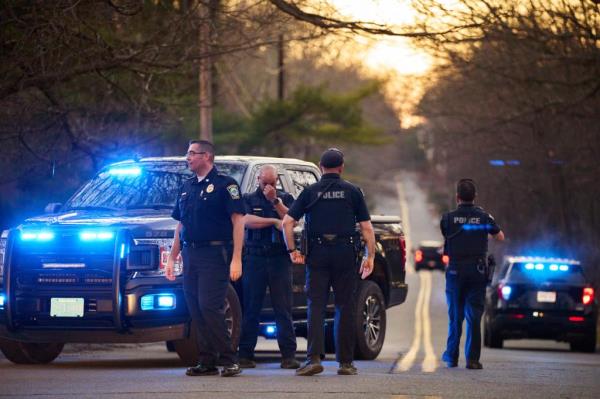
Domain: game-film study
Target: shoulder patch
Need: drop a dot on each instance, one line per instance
(234, 191)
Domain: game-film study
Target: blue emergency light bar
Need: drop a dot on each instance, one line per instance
(2, 301)
(469, 227)
(541, 266)
(37, 236)
(96, 235)
(270, 330)
(125, 171)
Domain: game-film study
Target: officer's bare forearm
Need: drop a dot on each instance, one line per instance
(258, 222)
(288, 230)
(176, 248)
(237, 220)
(499, 236)
(366, 228)
(281, 209)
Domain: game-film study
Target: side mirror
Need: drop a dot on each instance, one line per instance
(53, 207)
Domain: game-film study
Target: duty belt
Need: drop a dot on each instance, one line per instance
(202, 244)
(264, 249)
(332, 239)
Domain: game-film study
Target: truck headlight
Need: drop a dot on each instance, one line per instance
(160, 255)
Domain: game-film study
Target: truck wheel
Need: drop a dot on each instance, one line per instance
(30, 353)
(491, 337)
(370, 321)
(187, 348)
(170, 345)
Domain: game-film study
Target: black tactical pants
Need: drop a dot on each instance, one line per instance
(205, 282)
(274, 271)
(465, 295)
(332, 266)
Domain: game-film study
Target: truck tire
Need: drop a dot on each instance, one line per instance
(370, 321)
(30, 353)
(187, 348)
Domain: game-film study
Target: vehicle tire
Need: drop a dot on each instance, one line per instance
(170, 345)
(187, 348)
(370, 321)
(30, 353)
(329, 338)
(585, 344)
(491, 337)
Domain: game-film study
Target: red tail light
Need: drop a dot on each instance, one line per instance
(576, 319)
(403, 250)
(418, 255)
(588, 295)
(445, 259)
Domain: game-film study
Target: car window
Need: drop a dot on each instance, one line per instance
(302, 179)
(546, 272)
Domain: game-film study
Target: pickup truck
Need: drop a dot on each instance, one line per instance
(92, 270)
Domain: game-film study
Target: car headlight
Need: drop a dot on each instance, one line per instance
(163, 252)
(3, 240)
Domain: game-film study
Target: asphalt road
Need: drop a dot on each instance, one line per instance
(408, 366)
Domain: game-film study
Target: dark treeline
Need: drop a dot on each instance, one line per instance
(516, 106)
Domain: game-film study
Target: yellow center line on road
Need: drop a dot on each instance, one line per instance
(430, 362)
(409, 359)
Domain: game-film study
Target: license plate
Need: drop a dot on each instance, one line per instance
(546, 296)
(66, 307)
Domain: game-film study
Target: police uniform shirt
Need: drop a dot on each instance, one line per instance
(257, 204)
(204, 208)
(336, 212)
(466, 231)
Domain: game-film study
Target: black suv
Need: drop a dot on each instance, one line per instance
(541, 298)
(430, 255)
(93, 269)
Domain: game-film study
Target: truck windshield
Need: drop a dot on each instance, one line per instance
(140, 186)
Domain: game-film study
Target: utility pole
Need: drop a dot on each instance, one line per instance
(280, 68)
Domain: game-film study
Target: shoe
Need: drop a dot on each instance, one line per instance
(201, 371)
(231, 370)
(474, 365)
(246, 363)
(347, 369)
(311, 367)
(289, 363)
(451, 364)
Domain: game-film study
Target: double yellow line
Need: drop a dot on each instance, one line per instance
(422, 314)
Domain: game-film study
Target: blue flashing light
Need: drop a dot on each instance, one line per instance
(270, 330)
(513, 162)
(147, 302)
(122, 251)
(37, 236)
(539, 266)
(529, 266)
(553, 267)
(496, 162)
(166, 301)
(564, 268)
(469, 227)
(506, 291)
(96, 235)
(2, 301)
(125, 171)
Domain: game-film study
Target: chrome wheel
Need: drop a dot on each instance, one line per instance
(372, 320)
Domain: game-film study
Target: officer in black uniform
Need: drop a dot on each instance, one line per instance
(466, 231)
(266, 263)
(210, 212)
(332, 207)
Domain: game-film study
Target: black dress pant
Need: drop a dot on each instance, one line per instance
(332, 266)
(205, 282)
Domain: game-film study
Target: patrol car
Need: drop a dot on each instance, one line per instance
(541, 298)
(92, 270)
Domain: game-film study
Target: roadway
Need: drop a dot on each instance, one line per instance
(409, 365)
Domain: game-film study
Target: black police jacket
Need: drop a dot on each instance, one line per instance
(257, 204)
(465, 231)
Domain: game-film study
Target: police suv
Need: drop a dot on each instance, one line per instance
(92, 270)
(541, 298)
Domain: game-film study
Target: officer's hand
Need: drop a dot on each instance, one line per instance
(297, 257)
(366, 267)
(277, 224)
(169, 269)
(235, 270)
(269, 192)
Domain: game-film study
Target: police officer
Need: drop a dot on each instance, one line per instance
(466, 231)
(210, 212)
(266, 263)
(332, 207)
